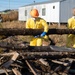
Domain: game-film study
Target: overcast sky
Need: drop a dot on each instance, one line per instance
(15, 4)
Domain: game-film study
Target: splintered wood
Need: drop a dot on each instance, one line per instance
(21, 62)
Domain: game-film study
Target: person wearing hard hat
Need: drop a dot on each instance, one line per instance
(37, 23)
(71, 25)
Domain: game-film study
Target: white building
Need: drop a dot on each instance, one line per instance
(57, 11)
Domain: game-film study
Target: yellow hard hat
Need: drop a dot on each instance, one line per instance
(34, 13)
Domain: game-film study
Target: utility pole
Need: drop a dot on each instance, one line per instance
(9, 4)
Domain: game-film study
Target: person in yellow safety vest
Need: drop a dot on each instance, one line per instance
(37, 23)
(71, 25)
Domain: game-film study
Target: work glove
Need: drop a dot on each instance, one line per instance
(43, 34)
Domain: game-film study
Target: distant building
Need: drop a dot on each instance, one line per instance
(57, 11)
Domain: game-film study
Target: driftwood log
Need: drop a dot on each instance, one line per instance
(37, 55)
(11, 32)
(27, 48)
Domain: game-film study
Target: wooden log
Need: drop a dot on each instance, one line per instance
(27, 48)
(16, 72)
(47, 55)
(12, 32)
(31, 67)
(51, 48)
(70, 59)
(59, 62)
(44, 62)
(37, 55)
(10, 54)
(61, 31)
(3, 71)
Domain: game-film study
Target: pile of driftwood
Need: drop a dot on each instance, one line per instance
(22, 59)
